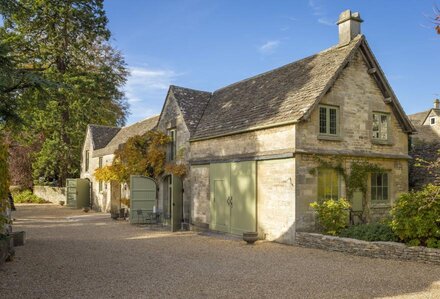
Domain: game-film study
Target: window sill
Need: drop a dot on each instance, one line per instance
(382, 142)
(329, 137)
(380, 205)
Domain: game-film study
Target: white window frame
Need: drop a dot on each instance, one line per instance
(381, 129)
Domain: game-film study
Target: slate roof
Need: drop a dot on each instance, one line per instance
(282, 95)
(418, 118)
(101, 135)
(124, 133)
(192, 104)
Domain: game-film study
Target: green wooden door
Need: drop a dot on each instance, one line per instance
(243, 197)
(142, 198)
(176, 203)
(233, 197)
(71, 192)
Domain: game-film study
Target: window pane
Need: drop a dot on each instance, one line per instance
(375, 126)
(333, 121)
(385, 193)
(373, 193)
(384, 127)
(322, 120)
(328, 184)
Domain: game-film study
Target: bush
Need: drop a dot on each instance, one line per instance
(27, 197)
(369, 232)
(332, 214)
(416, 217)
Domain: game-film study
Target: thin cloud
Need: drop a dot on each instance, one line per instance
(326, 21)
(146, 89)
(319, 10)
(269, 47)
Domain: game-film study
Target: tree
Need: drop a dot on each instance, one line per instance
(67, 41)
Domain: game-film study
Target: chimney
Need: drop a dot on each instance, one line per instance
(349, 26)
(437, 104)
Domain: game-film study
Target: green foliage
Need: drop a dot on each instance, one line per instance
(4, 183)
(67, 43)
(27, 197)
(355, 177)
(369, 232)
(140, 155)
(332, 214)
(416, 216)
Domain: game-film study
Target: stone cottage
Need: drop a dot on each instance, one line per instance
(98, 151)
(425, 144)
(257, 141)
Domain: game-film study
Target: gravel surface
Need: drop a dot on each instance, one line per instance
(71, 254)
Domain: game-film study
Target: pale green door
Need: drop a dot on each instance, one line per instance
(233, 197)
(176, 203)
(142, 198)
(243, 197)
(71, 192)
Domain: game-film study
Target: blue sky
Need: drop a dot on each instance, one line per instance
(207, 44)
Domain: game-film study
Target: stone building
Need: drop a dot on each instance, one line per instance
(98, 151)
(251, 146)
(255, 146)
(427, 124)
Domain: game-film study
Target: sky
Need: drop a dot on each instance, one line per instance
(208, 44)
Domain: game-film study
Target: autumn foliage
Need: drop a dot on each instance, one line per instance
(140, 155)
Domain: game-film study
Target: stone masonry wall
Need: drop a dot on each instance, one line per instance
(262, 141)
(200, 213)
(386, 250)
(276, 200)
(356, 94)
(52, 194)
(307, 183)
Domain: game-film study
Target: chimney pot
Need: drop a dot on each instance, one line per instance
(349, 25)
(437, 104)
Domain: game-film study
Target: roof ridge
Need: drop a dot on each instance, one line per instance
(104, 126)
(139, 121)
(198, 90)
(285, 65)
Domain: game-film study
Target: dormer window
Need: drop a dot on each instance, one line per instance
(432, 121)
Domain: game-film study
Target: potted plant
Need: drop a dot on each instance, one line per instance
(61, 202)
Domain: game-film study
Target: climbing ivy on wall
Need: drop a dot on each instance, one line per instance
(355, 177)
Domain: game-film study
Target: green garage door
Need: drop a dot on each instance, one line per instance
(233, 197)
(142, 198)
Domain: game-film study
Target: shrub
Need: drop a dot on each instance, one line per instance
(416, 217)
(332, 214)
(27, 197)
(369, 232)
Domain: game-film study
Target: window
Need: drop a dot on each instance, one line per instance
(328, 120)
(172, 145)
(100, 166)
(379, 186)
(328, 184)
(380, 126)
(432, 120)
(87, 160)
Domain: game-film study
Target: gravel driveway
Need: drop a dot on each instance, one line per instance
(70, 254)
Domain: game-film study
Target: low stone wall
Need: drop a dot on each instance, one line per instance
(52, 194)
(386, 250)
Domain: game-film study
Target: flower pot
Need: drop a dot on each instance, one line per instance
(250, 237)
(61, 202)
(19, 238)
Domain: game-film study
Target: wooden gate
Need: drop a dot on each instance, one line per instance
(78, 193)
(143, 194)
(233, 197)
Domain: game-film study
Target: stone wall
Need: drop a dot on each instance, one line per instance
(356, 94)
(420, 173)
(52, 194)
(386, 250)
(276, 200)
(199, 176)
